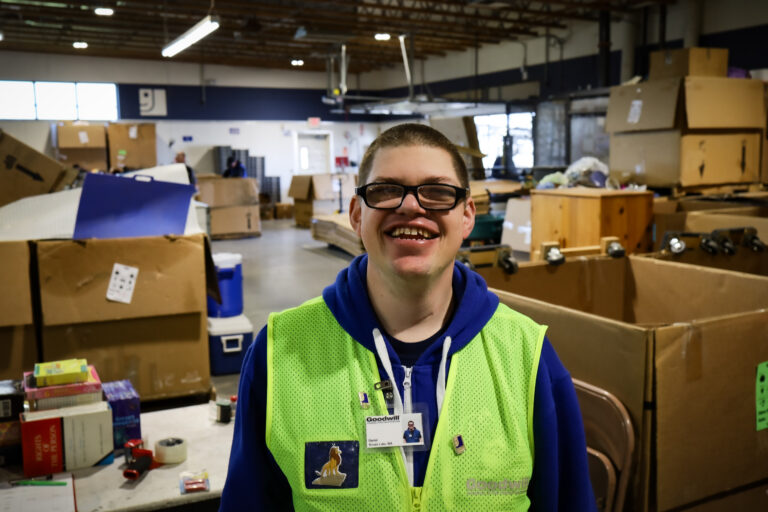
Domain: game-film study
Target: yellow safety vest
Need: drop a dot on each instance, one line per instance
(315, 372)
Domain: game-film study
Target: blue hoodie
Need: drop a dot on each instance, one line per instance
(560, 479)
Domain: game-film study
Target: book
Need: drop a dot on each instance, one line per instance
(63, 395)
(66, 439)
(66, 371)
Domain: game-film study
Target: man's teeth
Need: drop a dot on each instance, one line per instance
(415, 232)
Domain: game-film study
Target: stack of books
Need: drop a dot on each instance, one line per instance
(69, 425)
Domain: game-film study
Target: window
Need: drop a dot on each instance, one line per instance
(17, 100)
(97, 102)
(491, 130)
(58, 101)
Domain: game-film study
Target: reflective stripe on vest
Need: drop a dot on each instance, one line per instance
(315, 371)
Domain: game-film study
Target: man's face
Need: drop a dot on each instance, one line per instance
(410, 241)
(410, 425)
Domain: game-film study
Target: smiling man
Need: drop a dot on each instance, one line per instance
(407, 334)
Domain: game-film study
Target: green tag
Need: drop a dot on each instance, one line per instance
(761, 396)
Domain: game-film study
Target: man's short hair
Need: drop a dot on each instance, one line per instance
(410, 423)
(412, 134)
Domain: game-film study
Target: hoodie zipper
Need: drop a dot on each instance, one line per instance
(407, 409)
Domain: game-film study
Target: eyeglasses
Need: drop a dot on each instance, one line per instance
(431, 196)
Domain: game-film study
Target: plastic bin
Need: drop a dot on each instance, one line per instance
(229, 272)
(228, 339)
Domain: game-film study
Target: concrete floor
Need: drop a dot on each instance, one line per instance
(281, 269)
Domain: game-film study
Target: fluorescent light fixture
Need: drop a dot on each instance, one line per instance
(297, 62)
(191, 36)
(80, 45)
(1, 36)
(382, 37)
(104, 11)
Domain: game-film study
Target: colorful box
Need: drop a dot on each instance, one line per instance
(126, 411)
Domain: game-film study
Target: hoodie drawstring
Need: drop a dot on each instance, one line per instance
(441, 377)
(381, 351)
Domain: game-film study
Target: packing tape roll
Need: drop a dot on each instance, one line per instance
(171, 450)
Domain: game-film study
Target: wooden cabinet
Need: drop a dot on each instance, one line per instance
(579, 216)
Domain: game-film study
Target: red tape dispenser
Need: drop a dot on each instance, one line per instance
(139, 459)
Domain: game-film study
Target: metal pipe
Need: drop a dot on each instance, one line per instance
(693, 27)
(604, 48)
(407, 66)
(343, 70)
(662, 26)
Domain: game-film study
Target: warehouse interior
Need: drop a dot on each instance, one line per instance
(173, 173)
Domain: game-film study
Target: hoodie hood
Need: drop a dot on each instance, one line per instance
(348, 300)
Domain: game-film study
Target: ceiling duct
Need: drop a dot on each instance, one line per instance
(320, 36)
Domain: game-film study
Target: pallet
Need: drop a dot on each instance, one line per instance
(705, 190)
(234, 236)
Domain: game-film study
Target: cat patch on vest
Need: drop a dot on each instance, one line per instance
(331, 464)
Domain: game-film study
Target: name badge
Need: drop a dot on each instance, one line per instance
(394, 430)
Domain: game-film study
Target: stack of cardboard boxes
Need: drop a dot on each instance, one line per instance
(116, 146)
(234, 205)
(320, 194)
(689, 125)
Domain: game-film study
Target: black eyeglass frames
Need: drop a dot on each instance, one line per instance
(430, 196)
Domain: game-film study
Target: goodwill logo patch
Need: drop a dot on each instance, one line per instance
(331, 464)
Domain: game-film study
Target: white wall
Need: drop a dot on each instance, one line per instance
(270, 139)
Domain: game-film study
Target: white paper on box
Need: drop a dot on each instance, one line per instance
(83, 136)
(133, 132)
(122, 283)
(635, 110)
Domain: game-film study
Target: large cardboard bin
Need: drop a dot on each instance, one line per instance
(318, 194)
(158, 341)
(216, 191)
(18, 348)
(679, 345)
(26, 172)
(229, 222)
(744, 260)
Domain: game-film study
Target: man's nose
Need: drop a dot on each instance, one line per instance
(410, 202)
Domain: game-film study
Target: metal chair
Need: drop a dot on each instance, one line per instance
(608, 429)
(603, 477)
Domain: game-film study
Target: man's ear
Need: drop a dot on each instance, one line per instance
(355, 213)
(468, 220)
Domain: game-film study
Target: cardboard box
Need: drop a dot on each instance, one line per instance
(754, 498)
(669, 158)
(27, 172)
(516, 231)
(132, 146)
(692, 103)
(217, 191)
(82, 144)
(235, 222)
(283, 210)
(678, 345)
(158, 341)
(580, 216)
(744, 260)
(267, 211)
(319, 194)
(688, 62)
(18, 348)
